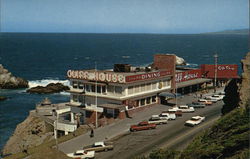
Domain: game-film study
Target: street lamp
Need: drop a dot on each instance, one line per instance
(215, 71)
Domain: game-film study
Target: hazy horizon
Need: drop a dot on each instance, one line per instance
(118, 16)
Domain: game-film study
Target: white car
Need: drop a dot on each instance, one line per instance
(82, 154)
(219, 97)
(157, 120)
(211, 98)
(183, 108)
(169, 116)
(195, 120)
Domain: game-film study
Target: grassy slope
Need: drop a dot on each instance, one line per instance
(228, 138)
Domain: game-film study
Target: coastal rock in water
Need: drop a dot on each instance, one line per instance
(179, 60)
(31, 132)
(8, 81)
(50, 88)
(2, 98)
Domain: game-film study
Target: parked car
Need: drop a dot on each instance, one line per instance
(197, 105)
(169, 115)
(195, 121)
(183, 108)
(212, 99)
(142, 126)
(157, 120)
(82, 154)
(218, 97)
(205, 101)
(100, 146)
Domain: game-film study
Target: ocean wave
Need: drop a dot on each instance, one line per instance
(192, 64)
(65, 93)
(125, 57)
(45, 82)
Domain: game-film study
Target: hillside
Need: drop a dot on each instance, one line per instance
(237, 31)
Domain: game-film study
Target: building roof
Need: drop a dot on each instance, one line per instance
(192, 82)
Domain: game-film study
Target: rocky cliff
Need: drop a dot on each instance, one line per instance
(245, 83)
(8, 81)
(31, 132)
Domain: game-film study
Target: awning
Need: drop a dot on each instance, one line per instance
(112, 106)
(169, 94)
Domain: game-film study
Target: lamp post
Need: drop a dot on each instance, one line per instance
(215, 71)
(96, 123)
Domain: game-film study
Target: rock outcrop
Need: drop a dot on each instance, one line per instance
(50, 88)
(2, 98)
(245, 83)
(8, 81)
(31, 132)
(179, 60)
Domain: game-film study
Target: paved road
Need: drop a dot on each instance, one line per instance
(174, 135)
(138, 138)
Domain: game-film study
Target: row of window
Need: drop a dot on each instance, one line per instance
(99, 89)
(148, 87)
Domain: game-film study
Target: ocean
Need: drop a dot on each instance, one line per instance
(43, 58)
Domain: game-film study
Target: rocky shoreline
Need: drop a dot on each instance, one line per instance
(50, 88)
(9, 81)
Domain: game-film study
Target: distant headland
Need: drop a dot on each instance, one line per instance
(235, 31)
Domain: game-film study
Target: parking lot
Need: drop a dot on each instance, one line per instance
(130, 144)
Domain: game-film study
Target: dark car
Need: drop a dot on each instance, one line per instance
(142, 126)
(197, 105)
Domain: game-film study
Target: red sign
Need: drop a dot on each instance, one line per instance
(223, 71)
(187, 75)
(146, 76)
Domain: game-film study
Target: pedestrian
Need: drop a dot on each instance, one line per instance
(92, 133)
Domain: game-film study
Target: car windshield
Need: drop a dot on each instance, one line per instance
(195, 119)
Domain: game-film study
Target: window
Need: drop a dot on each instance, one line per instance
(75, 98)
(148, 86)
(92, 88)
(88, 88)
(98, 89)
(118, 89)
(154, 85)
(81, 99)
(111, 89)
(130, 90)
(137, 89)
(81, 86)
(148, 100)
(154, 99)
(103, 89)
(142, 102)
(143, 87)
(137, 103)
(74, 84)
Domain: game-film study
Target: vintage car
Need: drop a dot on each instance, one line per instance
(155, 119)
(197, 105)
(218, 97)
(183, 108)
(100, 146)
(195, 121)
(205, 101)
(169, 115)
(142, 126)
(82, 154)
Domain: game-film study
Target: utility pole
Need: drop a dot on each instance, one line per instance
(55, 129)
(215, 71)
(96, 123)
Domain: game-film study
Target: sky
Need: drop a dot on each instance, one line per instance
(123, 16)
